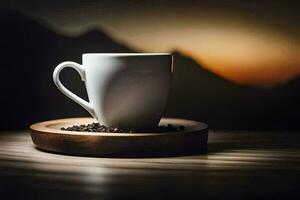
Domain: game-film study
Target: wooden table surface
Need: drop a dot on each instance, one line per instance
(239, 165)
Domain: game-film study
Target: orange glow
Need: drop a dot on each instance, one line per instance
(249, 58)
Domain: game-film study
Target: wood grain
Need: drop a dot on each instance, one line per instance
(238, 165)
(48, 136)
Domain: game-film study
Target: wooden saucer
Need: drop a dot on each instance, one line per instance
(48, 136)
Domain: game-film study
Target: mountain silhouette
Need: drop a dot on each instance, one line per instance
(31, 51)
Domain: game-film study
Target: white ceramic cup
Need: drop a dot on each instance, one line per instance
(125, 90)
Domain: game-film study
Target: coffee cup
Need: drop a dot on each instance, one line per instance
(125, 90)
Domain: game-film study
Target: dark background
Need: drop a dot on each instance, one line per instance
(36, 36)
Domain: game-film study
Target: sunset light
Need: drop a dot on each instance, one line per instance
(236, 45)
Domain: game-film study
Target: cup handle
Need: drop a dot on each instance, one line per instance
(80, 69)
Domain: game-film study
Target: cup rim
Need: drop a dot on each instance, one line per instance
(126, 54)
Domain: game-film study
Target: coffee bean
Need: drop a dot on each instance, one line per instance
(96, 127)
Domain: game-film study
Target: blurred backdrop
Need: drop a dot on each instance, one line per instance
(236, 63)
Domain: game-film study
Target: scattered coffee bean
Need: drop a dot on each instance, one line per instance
(96, 127)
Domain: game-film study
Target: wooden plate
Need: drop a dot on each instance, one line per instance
(48, 136)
